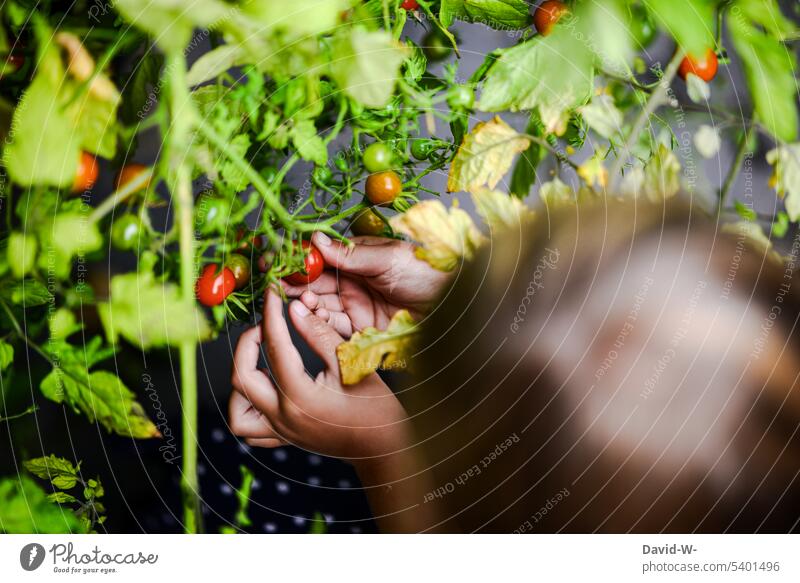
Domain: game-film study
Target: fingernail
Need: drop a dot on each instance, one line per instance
(322, 239)
(300, 309)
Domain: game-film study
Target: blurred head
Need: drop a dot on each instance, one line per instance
(616, 368)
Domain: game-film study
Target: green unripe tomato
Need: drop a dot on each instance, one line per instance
(212, 214)
(642, 27)
(341, 163)
(422, 148)
(322, 174)
(436, 46)
(377, 157)
(460, 97)
(126, 232)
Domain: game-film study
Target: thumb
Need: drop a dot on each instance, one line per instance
(368, 256)
(317, 333)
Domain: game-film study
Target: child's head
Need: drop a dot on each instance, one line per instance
(615, 368)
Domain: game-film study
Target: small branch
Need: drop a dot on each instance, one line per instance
(121, 195)
(733, 171)
(655, 100)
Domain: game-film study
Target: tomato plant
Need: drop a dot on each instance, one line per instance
(285, 127)
(215, 284)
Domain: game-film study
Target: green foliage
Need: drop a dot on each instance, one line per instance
(26, 509)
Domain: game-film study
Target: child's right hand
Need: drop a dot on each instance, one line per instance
(375, 278)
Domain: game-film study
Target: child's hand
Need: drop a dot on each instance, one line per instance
(375, 278)
(356, 422)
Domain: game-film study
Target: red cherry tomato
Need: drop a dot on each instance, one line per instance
(86, 175)
(128, 173)
(547, 14)
(256, 241)
(214, 286)
(706, 68)
(409, 5)
(314, 264)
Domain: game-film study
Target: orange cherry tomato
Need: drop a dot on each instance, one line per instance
(547, 14)
(314, 264)
(87, 172)
(383, 187)
(128, 173)
(706, 68)
(214, 286)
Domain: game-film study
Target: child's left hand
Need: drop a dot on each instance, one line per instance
(358, 423)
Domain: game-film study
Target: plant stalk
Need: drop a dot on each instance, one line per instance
(182, 119)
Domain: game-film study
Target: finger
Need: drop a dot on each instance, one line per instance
(267, 443)
(314, 301)
(247, 378)
(285, 361)
(368, 257)
(319, 336)
(341, 322)
(246, 420)
(327, 283)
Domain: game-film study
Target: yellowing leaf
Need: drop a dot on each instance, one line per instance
(555, 194)
(485, 155)
(593, 172)
(662, 175)
(500, 210)
(372, 348)
(786, 161)
(445, 238)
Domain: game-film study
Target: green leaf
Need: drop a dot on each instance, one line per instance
(25, 509)
(63, 324)
(68, 235)
(690, 22)
(21, 253)
(231, 173)
(602, 115)
(215, 62)
(62, 498)
(309, 145)
(60, 472)
(139, 95)
(781, 225)
(298, 19)
(102, 397)
(371, 348)
(27, 293)
(367, 65)
(522, 78)
(6, 355)
(150, 313)
(524, 175)
(769, 65)
(499, 14)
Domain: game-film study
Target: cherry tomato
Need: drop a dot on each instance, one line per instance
(377, 157)
(642, 26)
(322, 174)
(212, 214)
(368, 223)
(130, 172)
(422, 148)
(256, 241)
(86, 175)
(14, 63)
(460, 97)
(436, 46)
(547, 14)
(383, 187)
(705, 69)
(126, 232)
(239, 266)
(409, 5)
(314, 264)
(214, 286)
